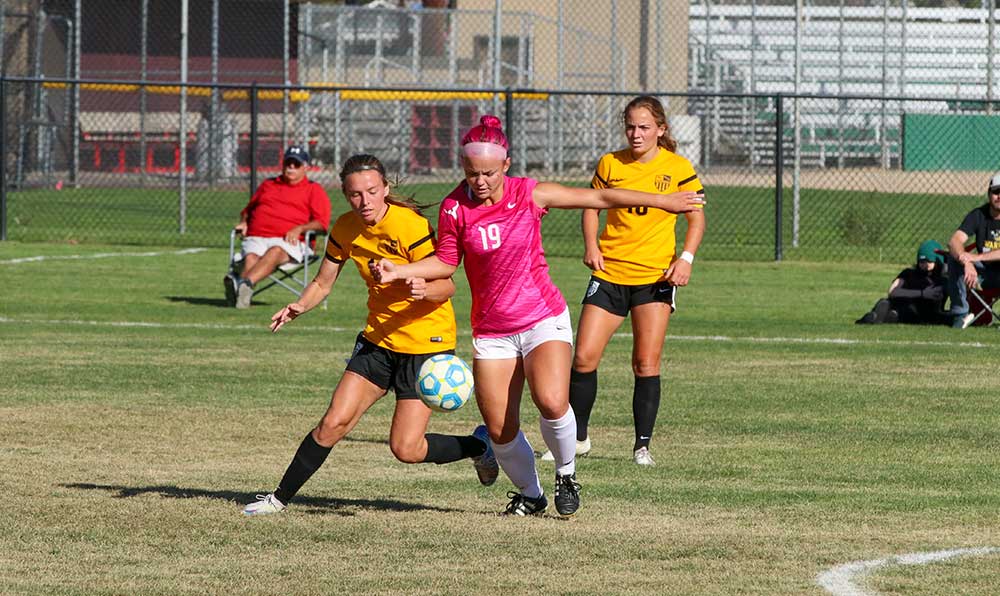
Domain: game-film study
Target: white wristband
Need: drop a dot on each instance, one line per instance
(686, 256)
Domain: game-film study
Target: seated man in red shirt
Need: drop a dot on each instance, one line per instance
(273, 224)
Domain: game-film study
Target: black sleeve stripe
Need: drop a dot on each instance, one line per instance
(603, 181)
(334, 259)
(335, 243)
(421, 241)
(688, 179)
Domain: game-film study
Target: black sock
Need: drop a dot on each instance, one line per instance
(444, 449)
(582, 395)
(309, 457)
(645, 404)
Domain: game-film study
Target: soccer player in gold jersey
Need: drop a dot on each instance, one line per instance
(636, 270)
(409, 321)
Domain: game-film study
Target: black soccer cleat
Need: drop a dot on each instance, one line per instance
(523, 506)
(567, 494)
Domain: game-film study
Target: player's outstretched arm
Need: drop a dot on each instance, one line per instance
(437, 290)
(550, 194)
(386, 271)
(318, 289)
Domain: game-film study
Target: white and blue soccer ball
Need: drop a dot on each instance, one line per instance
(445, 382)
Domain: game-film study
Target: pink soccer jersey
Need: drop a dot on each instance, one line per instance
(504, 259)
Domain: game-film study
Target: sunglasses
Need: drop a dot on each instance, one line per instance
(291, 163)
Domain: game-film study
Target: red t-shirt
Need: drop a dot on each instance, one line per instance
(277, 207)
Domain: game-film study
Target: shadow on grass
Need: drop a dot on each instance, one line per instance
(199, 301)
(346, 507)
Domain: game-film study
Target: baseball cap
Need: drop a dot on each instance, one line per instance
(994, 182)
(926, 252)
(298, 153)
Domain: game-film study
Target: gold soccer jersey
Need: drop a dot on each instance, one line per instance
(638, 243)
(396, 321)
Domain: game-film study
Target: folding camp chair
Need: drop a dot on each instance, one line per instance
(984, 303)
(292, 276)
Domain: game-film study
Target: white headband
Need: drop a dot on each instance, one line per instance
(483, 149)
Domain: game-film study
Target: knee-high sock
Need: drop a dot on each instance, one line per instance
(582, 395)
(645, 404)
(560, 438)
(518, 462)
(443, 449)
(308, 458)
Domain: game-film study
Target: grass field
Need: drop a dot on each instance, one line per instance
(138, 415)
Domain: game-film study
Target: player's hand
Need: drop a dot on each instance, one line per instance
(241, 228)
(292, 237)
(418, 287)
(682, 202)
(679, 273)
(384, 271)
(285, 315)
(593, 258)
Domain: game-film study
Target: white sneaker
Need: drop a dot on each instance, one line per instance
(244, 294)
(582, 449)
(642, 457)
(963, 321)
(265, 505)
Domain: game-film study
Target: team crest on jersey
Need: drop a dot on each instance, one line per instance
(592, 288)
(389, 246)
(453, 212)
(662, 182)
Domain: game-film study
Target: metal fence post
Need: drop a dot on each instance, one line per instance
(254, 112)
(779, 174)
(77, 73)
(3, 157)
(508, 107)
(182, 134)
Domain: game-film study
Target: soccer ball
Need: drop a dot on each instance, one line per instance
(444, 382)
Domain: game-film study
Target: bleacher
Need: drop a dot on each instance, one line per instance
(866, 51)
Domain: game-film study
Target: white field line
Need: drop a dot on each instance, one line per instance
(840, 580)
(100, 255)
(263, 325)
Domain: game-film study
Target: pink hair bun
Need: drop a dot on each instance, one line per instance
(489, 130)
(490, 121)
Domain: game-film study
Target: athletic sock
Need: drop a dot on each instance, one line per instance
(582, 395)
(645, 404)
(518, 462)
(309, 457)
(560, 438)
(443, 449)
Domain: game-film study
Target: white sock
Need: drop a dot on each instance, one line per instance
(518, 462)
(560, 438)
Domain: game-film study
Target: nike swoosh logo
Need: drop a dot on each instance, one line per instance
(511, 205)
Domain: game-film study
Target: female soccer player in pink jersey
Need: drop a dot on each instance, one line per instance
(521, 327)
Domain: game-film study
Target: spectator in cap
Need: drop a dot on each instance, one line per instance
(917, 294)
(979, 269)
(274, 222)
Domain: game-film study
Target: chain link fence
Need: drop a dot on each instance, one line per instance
(852, 186)
(104, 142)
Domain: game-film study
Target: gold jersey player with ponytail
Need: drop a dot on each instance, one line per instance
(636, 268)
(409, 321)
